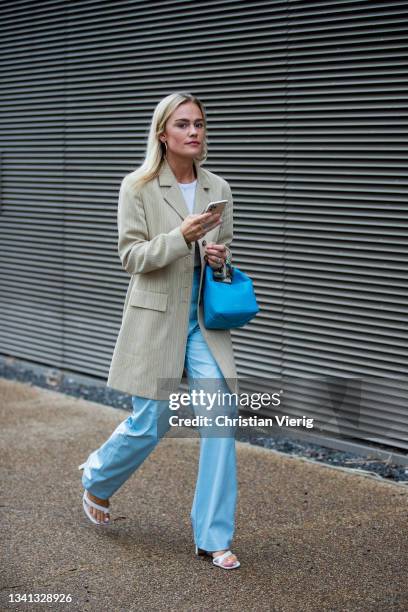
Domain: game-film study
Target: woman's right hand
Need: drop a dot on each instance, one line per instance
(195, 227)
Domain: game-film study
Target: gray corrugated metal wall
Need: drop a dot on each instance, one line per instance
(307, 106)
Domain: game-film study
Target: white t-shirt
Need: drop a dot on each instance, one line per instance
(188, 190)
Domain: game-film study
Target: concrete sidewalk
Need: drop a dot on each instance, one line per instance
(309, 537)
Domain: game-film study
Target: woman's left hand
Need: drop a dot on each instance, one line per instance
(215, 254)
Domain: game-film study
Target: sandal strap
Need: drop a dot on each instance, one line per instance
(222, 557)
(94, 505)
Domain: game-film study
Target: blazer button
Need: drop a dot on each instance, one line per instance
(204, 242)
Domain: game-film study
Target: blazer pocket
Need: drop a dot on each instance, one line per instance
(149, 299)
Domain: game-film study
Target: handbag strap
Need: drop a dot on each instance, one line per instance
(226, 270)
(228, 263)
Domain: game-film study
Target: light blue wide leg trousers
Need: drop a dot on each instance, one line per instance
(214, 504)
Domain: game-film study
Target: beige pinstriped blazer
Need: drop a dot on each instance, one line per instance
(148, 359)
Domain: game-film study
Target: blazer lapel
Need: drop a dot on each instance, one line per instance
(173, 195)
(202, 197)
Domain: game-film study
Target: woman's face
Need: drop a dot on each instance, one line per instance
(184, 131)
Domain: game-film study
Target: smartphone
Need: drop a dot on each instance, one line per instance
(216, 207)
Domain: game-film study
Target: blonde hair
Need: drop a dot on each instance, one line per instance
(156, 150)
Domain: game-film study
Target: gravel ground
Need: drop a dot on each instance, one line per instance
(95, 390)
(310, 537)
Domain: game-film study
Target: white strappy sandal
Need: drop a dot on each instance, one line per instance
(86, 502)
(219, 560)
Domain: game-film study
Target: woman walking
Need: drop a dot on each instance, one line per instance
(161, 244)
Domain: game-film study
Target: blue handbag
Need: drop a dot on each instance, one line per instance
(227, 305)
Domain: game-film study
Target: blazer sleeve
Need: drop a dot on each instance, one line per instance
(137, 252)
(227, 226)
